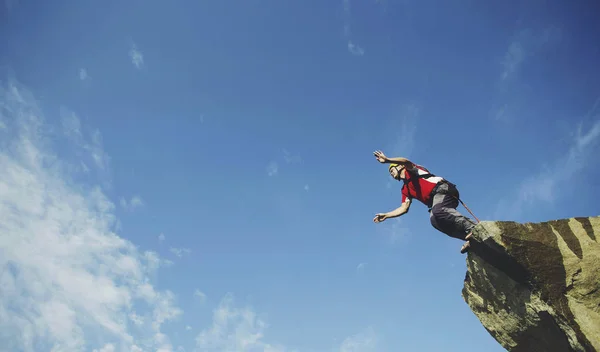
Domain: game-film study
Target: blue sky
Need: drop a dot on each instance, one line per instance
(199, 176)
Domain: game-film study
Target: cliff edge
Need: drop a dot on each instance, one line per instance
(536, 286)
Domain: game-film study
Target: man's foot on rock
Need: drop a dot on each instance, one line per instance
(465, 247)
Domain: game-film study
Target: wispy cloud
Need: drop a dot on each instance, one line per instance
(545, 185)
(201, 296)
(514, 57)
(364, 341)
(134, 203)
(69, 282)
(511, 94)
(291, 158)
(161, 237)
(96, 148)
(353, 48)
(241, 329)
(403, 129)
(180, 252)
(137, 58)
(83, 75)
(394, 230)
(71, 125)
(526, 43)
(272, 168)
(90, 148)
(361, 267)
(235, 329)
(136, 319)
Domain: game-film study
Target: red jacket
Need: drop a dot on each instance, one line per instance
(419, 187)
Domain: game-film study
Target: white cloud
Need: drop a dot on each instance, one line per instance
(361, 267)
(353, 48)
(83, 75)
(200, 295)
(161, 237)
(235, 330)
(403, 129)
(153, 261)
(109, 347)
(68, 281)
(362, 342)
(347, 15)
(179, 252)
(272, 168)
(393, 230)
(134, 203)
(545, 185)
(306, 188)
(136, 319)
(137, 58)
(500, 113)
(96, 148)
(513, 58)
(291, 158)
(92, 149)
(525, 44)
(512, 95)
(71, 125)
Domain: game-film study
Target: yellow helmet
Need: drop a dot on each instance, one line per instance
(391, 166)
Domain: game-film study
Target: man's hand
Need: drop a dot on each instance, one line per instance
(380, 156)
(401, 210)
(380, 217)
(397, 160)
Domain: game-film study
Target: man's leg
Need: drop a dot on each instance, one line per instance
(445, 218)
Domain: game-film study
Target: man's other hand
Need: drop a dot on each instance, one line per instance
(380, 156)
(380, 217)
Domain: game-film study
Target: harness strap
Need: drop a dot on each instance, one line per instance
(434, 191)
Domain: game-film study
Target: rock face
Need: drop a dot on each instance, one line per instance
(536, 286)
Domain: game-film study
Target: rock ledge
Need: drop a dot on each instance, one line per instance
(536, 286)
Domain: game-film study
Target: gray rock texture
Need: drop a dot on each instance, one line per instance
(535, 287)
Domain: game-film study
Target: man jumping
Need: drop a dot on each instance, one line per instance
(438, 194)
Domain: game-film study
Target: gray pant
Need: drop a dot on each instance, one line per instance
(444, 216)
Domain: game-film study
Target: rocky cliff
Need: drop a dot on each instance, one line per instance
(536, 286)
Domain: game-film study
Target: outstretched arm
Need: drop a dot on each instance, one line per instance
(403, 209)
(398, 160)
